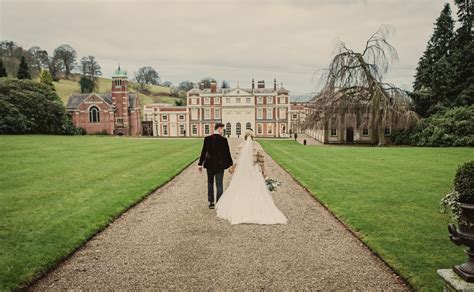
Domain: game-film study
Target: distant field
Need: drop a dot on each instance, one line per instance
(65, 87)
(389, 195)
(57, 191)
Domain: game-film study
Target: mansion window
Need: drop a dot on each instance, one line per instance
(270, 99)
(207, 130)
(194, 114)
(248, 100)
(165, 130)
(217, 114)
(181, 129)
(181, 117)
(228, 129)
(190, 101)
(248, 126)
(238, 129)
(259, 129)
(217, 100)
(282, 113)
(388, 131)
(94, 114)
(207, 114)
(207, 100)
(333, 132)
(227, 100)
(269, 113)
(259, 100)
(164, 118)
(259, 113)
(295, 116)
(270, 129)
(119, 121)
(237, 100)
(365, 132)
(194, 129)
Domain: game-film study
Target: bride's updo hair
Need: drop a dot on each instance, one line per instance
(249, 133)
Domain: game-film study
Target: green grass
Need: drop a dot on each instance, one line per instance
(389, 195)
(158, 94)
(57, 191)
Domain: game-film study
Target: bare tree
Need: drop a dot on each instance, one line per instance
(90, 70)
(354, 87)
(67, 55)
(40, 58)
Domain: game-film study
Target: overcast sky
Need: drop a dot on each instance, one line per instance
(290, 40)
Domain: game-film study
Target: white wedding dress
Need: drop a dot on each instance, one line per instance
(247, 199)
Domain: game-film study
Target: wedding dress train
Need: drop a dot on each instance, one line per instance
(247, 199)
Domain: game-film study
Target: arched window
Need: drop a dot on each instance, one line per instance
(248, 126)
(238, 129)
(228, 129)
(94, 114)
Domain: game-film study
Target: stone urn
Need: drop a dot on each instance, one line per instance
(464, 235)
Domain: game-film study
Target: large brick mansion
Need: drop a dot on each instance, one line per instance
(264, 110)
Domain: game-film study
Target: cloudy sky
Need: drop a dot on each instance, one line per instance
(235, 40)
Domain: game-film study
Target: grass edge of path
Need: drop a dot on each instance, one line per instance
(29, 283)
(347, 227)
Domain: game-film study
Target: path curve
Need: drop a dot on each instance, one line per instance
(171, 240)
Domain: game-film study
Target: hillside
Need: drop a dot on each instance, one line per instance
(158, 94)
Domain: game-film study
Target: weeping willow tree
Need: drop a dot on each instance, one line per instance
(354, 92)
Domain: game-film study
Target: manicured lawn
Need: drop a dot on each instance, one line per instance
(57, 191)
(390, 196)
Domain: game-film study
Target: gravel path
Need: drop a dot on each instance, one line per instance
(172, 240)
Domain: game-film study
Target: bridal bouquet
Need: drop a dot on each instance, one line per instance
(272, 184)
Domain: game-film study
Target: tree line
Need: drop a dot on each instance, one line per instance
(443, 89)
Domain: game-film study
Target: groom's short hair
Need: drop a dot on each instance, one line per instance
(218, 125)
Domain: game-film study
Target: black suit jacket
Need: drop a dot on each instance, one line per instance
(215, 153)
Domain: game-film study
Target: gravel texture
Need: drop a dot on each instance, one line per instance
(172, 240)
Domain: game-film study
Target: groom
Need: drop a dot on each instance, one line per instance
(215, 158)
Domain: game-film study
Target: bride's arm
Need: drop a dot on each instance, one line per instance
(236, 157)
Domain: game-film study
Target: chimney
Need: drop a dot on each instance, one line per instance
(261, 84)
(213, 86)
(201, 85)
(275, 84)
(253, 84)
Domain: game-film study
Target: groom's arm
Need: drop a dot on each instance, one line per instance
(203, 153)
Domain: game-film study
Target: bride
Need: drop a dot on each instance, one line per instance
(247, 199)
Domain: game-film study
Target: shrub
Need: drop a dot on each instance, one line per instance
(70, 129)
(464, 182)
(462, 192)
(449, 127)
(29, 107)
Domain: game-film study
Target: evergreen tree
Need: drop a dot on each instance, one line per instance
(46, 78)
(462, 59)
(3, 71)
(87, 85)
(23, 70)
(434, 76)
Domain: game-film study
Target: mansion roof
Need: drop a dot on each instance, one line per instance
(76, 99)
(224, 91)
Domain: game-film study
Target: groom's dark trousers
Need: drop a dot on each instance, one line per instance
(215, 158)
(218, 175)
